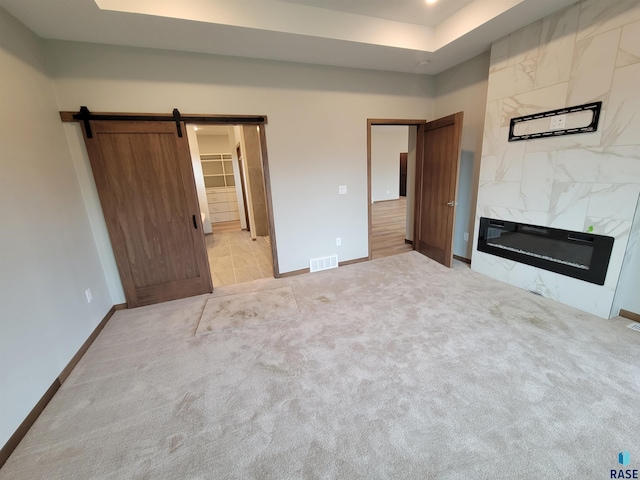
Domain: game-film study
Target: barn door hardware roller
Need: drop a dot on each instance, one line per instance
(85, 116)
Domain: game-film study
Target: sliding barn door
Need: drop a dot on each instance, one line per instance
(436, 187)
(145, 182)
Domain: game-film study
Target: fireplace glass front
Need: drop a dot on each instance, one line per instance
(580, 255)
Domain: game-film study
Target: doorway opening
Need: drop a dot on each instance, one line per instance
(432, 177)
(146, 180)
(391, 146)
(230, 181)
(391, 149)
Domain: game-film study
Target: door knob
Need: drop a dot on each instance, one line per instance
(452, 203)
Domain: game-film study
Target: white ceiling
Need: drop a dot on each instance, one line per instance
(407, 11)
(392, 35)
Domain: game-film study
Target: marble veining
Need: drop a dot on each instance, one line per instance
(502, 194)
(510, 160)
(555, 54)
(537, 181)
(592, 70)
(619, 230)
(629, 51)
(535, 101)
(622, 122)
(491, 136)
(599, 165)
(513, 214)
(524, 43)
(512, 80)
(569, 205)
(598, 16)
(614, 201)
(499, 55)
(488, 168)
(492, 266)
(578, 165)
(587, 52)
(586, 296)
(622, 165)
(530, 278)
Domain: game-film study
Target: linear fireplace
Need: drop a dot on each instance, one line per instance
(576, 254)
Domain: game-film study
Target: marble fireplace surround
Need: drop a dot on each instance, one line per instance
(589, 182)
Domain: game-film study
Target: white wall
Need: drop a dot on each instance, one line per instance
(198, 176)
(584, 182)
(214, 144)
(387, 142)
(48, 256)
(463, 88)
(316, 135)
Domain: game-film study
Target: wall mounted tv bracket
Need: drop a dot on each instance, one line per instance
(555, 123)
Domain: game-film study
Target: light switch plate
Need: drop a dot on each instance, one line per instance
(342, 190)
(557, 122)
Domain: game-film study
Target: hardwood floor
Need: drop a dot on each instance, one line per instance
(388, 228)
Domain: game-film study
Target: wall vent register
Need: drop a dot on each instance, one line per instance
(324, 263)
(580, 255)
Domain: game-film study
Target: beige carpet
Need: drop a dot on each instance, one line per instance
(246, 310)
(394, 369)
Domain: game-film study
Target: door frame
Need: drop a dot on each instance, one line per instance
(204, 119)
(385, 122)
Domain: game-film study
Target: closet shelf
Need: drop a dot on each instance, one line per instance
(217, 169)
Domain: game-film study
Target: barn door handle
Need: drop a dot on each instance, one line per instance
(195, 222)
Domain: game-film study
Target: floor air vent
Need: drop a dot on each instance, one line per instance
(325, 263)
(634, 326)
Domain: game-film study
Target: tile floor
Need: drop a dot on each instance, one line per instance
(235, 258)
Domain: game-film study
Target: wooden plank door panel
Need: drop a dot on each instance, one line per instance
(436, 186)
(147, 191)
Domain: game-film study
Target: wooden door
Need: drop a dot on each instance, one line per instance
(145, 182)
(436, 187)
(403, 174)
